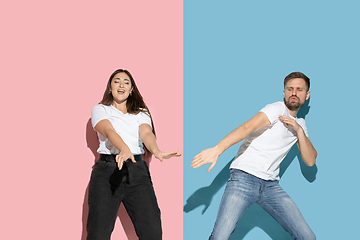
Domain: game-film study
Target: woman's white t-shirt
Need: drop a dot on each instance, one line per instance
(126, 125)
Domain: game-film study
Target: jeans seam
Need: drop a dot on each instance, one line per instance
(292, 231)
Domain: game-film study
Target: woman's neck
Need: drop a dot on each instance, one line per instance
(120, 106)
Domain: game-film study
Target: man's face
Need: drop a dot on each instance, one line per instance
(295, 93)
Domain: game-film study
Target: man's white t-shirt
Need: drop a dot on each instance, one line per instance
(262, 151)
(126, 125)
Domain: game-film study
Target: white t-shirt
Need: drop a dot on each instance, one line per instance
(126, 125)
(262, 151)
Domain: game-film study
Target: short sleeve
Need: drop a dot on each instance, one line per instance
(301, 122)
(272, 111)
(98, 113)
(144, 118)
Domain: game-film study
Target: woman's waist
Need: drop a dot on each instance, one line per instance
(110, 149)
(112, 157)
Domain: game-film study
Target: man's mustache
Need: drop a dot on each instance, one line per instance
(295, 97)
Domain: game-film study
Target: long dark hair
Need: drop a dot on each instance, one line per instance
(134, 103)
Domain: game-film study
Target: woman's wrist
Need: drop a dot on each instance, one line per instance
(124, 149)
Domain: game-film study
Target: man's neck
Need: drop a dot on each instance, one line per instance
(293, 112)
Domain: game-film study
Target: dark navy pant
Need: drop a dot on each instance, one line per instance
(132, 186)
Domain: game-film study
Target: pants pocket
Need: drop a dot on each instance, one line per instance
(138, 172)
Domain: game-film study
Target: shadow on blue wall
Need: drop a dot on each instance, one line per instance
(255, 216)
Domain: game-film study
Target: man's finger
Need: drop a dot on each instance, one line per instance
(212, 166)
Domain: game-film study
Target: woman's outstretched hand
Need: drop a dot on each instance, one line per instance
(166, 155)
(124, 155)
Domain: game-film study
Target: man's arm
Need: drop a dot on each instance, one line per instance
(211, 155)
(306, 149)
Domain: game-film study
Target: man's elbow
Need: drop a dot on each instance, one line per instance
(311, 161)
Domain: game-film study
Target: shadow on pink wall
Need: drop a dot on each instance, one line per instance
(93, 144)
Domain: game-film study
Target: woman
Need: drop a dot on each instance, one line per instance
(123, 123)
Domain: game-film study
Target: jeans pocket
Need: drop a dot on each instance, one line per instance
(239, 175)
(138, 171)
(144, 170)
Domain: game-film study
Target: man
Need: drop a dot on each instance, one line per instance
(254, 173)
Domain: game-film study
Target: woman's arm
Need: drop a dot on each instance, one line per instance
(148, 138)
(105, 128)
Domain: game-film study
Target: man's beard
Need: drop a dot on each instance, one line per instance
(293, 105)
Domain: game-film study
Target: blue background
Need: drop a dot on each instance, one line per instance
(236, 55)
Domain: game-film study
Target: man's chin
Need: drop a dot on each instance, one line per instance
(293, 106)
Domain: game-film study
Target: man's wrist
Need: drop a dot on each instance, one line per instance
(219, 149)
(300, 131)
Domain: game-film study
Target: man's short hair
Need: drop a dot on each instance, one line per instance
(297, 75)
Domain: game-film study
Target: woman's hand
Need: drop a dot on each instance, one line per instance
(148, 138)
(166, 155)
(124, 155)
(105, 128)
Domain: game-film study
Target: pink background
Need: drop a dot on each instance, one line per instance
(56, 58)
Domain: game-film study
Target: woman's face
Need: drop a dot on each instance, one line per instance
(121, 87)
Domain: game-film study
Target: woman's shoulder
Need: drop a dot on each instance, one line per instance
(101, 109)
(143, 113)
(143, 116)
(100, 106)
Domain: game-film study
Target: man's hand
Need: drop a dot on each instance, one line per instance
(209, 155)
(290, 122)
(306, 149)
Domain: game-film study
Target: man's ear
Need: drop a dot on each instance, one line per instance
(307, 95)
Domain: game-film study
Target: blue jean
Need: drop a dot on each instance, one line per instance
(243, 190)
(132, 186)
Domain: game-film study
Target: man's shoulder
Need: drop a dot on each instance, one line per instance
(273, 110)
(276, 106)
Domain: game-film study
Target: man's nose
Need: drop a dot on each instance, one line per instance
(294, 92)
